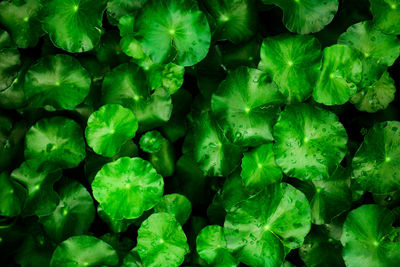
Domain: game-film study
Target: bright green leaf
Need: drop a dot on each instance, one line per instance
(386, 15)
(177, 205)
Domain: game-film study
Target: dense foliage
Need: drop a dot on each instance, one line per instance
(163, 133)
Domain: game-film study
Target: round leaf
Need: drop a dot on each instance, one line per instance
(41, 198)
(74, 25)
(293, 61)
(386, 15)
(173, 31)
(109, 128)
(234, 20)
(310, 142)
(377, 96)
(306, 16)
(84, 250)
(246, 107)
(21, 19)
(151, 142)
(341, 71)
(161, 241)
(376, 164)
(55, 141)
(177, 205)
(215, 155)
(74, 213)
(127, 187)
(371, 42)
(369, 239)
(259, 228)
(259, 168)
(56, 82)
(12, 196)
(211, 246)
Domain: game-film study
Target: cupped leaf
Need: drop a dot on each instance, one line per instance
(151, 142)
(233, 20)
(386, 14)
(55, 141)
(376, 164)
(127, 187)
(371, 42)
(125, 85)
(369, 239)
(12, 196)
(109, 128)
(41, 198)
(21, 18)
(377, 96)
(161, 241)
(169, 76)
(84, 250)
(246, 105)
(215, 155)
(74, 213)
(340, 73)
(212, 247)
(9, 60)
(173, 31)
(306, 16)
(259, 168)
(330, 197)
(177, 205)
(74, 25)
(56, 82)
(321, 250)
(258, 229)
(310, 142)
(293, 61)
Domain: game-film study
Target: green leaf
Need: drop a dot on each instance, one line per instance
(55, 141)
(340, 73)
(74, 25)
(116, 226)
(259, 168)
(12, 196)
(169, 76)
(84, 250)
(310, 142)
(320, 250)
(211, 246)
(116, 9)
(132, 259)
(9, 60)
(41, 198)
(233, 20)
(377, 96)
(306, 16)
(215, 155)
(21, 18)
(125, 85)
(293, 61)
(127, 187)
(386, 14)
(56, 82)
(258, 229)
(74, 213)
(161, 241)
(376, 163)
(371, 42)
(330, 197)
(109, 128)
(151, 142)
(176, 205)
(233, 191)
(369, 239)
(173, 31)
(245, 106)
